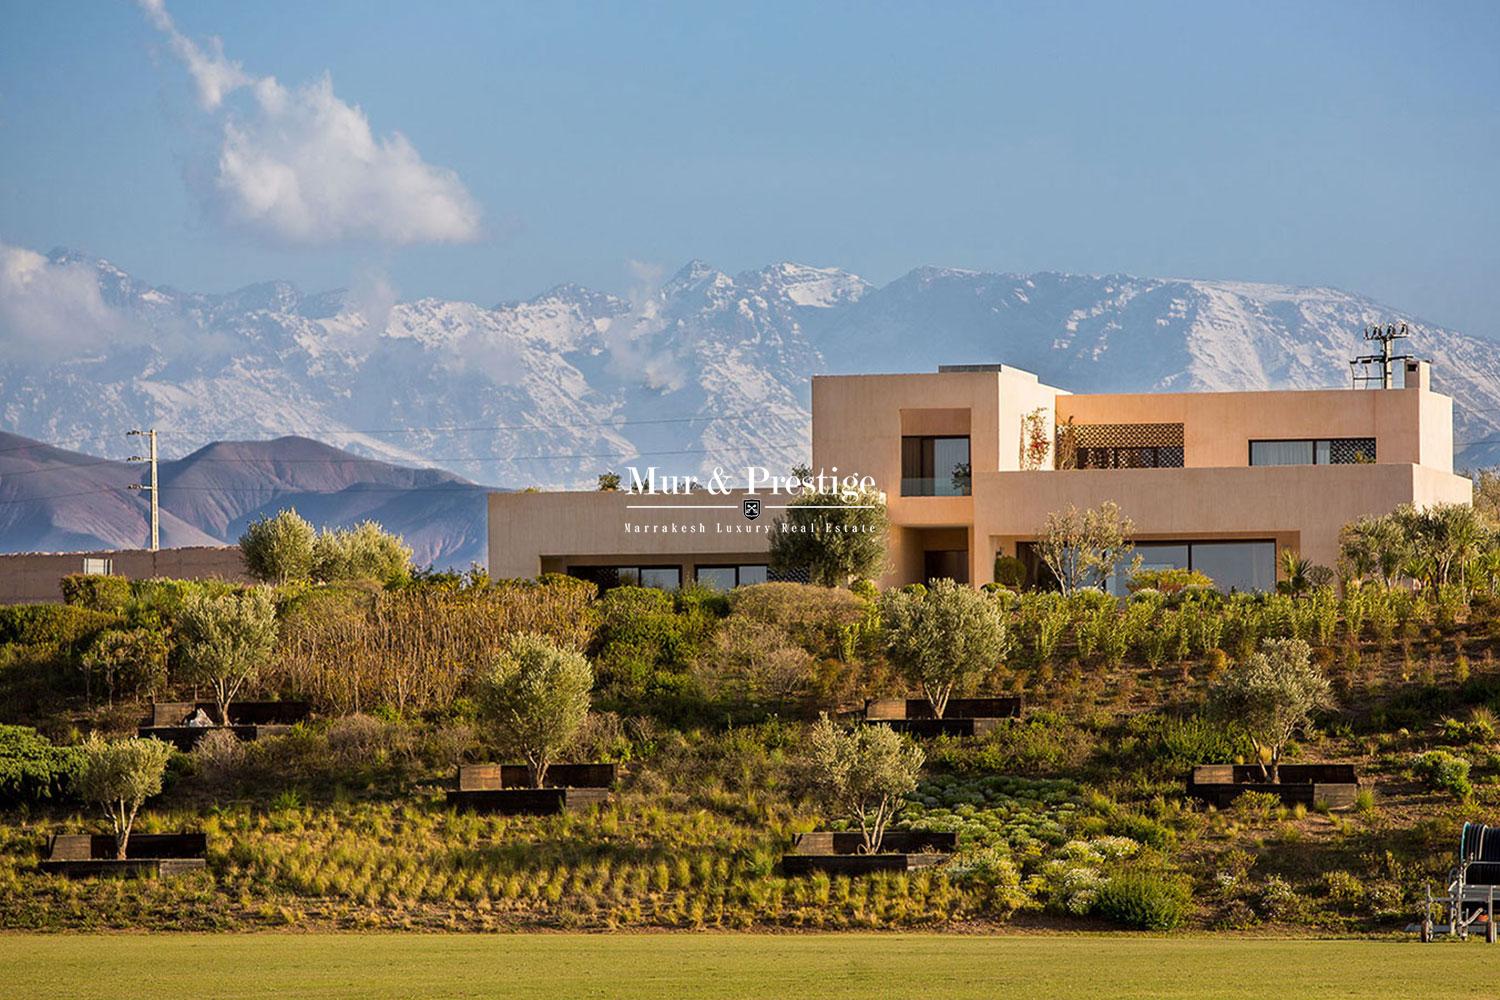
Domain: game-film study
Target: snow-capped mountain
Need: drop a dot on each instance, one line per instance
(708, 369)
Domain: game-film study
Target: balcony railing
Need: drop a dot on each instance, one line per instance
(927, 486)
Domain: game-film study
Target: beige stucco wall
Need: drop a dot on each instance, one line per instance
(1301, 507)
(32, 577)
(1411, 426)
(532, 533)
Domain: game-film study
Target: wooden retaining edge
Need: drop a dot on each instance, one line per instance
(857, 864)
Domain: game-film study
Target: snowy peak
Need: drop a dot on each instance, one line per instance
(704, 370)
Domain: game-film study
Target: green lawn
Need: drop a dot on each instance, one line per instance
(863, 966)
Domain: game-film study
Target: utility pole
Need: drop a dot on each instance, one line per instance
(1386, 336)
(150, 456)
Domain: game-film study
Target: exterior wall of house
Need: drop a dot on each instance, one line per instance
(33, 577)
(859, 420)
(534, 533)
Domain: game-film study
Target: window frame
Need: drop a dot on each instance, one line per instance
(927, 449)
(738, 568)
(1324, 445)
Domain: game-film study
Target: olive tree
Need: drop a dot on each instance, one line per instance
(863, 774)
(836, 538)
(225, 639)
(1083, 547)
(942, 637)
(364, 552)
(1270, 697)
(537, 694)
(120, 776)
(279, 549)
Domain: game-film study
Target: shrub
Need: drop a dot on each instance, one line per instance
(1010, 572)
(1167, 581)
(1444, 772)
(537, 694)
(1148, 900)
(64, 625)
(1170, 745)
(279, 549)
(119, 776)
(128, 661)
(31, 768)
(815, 618)
(350, 648)
(96, 591)
(364, 552)
(751, 664)
(943, 640)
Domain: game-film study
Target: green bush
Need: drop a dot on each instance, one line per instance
(1168, 746)
(1153, 901)
(96, 591)
(1010, 572)
(1444, 772)
(31, 768)
(63, 625)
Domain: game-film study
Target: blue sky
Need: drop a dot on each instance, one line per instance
(1353, 145)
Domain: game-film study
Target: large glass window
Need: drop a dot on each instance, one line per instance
(1322, 451)
(729, 577)
(661, 577)
(1240, 566)
(935, 466)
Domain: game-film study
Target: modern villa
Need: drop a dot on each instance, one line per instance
(973, 458)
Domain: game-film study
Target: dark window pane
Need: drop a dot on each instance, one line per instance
(751, 575)
(935, 466)
(1242, 566)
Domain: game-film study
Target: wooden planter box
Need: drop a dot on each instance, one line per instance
(241, 713)
(185, 738)
(957, 708)
(148, 855)
(528, 801)
(927, 728)
(856, 864)
(1334, 785)
(129, 868)
(895, 841)
(492, 777)
(837, 852)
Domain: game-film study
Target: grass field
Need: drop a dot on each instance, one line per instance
(863, 966)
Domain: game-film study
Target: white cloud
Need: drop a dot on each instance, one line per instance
(50, 311)
(214, 74)
(301, 166)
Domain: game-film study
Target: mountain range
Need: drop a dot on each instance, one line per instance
(704, 369)
(57, 500)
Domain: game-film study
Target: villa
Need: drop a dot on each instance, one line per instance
(973, 458)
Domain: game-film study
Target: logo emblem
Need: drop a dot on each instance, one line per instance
(752, 508)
